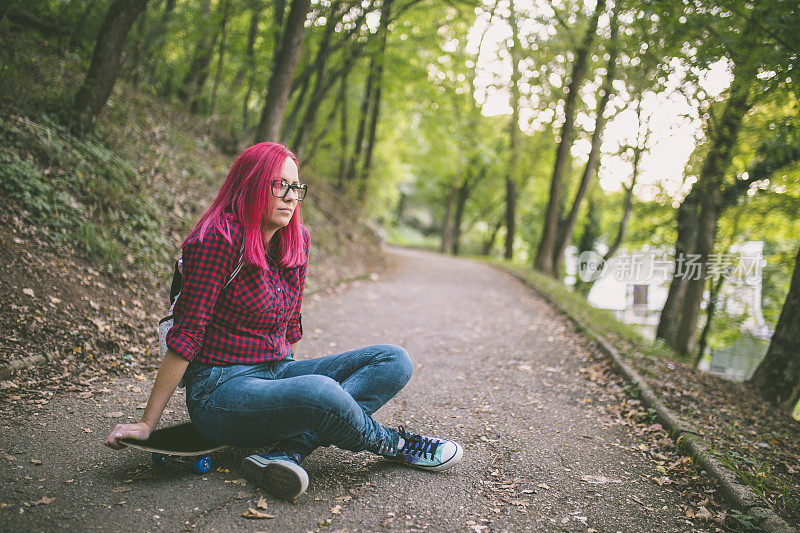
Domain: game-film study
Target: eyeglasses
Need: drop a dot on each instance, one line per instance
(281, 187)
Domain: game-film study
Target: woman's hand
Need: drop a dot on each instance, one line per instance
(137, 431)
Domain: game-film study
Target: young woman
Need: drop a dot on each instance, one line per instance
(235, 336)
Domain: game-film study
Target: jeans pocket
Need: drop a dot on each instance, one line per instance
(203, 383)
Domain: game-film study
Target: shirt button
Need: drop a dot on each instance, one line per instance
(279, 289)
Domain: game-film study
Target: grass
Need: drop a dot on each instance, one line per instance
(119, 195)
(79, 190)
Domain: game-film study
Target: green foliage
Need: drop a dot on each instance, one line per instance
(748, 521)
(81, 190)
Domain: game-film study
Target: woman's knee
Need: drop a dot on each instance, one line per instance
(400, 361)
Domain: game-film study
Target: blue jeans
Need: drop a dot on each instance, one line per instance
(300, 405)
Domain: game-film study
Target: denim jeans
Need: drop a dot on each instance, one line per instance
(300, 405)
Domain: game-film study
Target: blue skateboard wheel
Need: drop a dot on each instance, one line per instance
(202, 464)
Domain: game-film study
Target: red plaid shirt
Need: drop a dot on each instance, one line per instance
(254, 319)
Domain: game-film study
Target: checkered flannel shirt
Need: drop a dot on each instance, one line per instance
(254, 319)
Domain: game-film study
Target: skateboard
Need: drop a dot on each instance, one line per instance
(183, 442)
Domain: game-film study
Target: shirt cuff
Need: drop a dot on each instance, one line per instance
(294, 330)
(182, 343)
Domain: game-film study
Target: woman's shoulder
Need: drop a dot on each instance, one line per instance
(230, 234)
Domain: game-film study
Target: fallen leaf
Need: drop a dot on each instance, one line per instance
(543, 486)
(336, 509)
(36, 461)
(262, 503)
(253, 513)
(702, 513)
(242, 495)
(29, 292)
(44, 501)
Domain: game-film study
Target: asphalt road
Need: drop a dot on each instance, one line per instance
(495, 368)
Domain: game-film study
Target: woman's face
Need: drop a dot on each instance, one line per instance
(283, 208)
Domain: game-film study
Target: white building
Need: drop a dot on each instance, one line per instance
(635, 286)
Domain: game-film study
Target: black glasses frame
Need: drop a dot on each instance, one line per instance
(301, 190)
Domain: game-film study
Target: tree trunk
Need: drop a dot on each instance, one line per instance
(317, 93)
(138, 51)
(778, 375)
(221, 60)
(375, 106)
(710, 181)
(252, 31)
(513, 135)
(714, 290)
(286, 57)
(447, 227)
(343, 136)
(77, 30)
(156, 39)
(638, 150)
(329, 122)
(462, 195)
(565, 235)
(511, 204)
(586, 244)
(195, 76)
(684, 247)
(106, 59)
(250, 63)
(547, 243)
(489, 243)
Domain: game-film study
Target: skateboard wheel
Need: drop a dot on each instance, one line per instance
(202, 464)
(159, 459)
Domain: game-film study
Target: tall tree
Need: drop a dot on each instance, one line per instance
(778, 375)
(512, 172)
(544, 253)
(106, 58)
(377, 65)
(565, 233)
(220, 56)
(286, 56)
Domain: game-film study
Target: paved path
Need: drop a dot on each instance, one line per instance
(495, 368)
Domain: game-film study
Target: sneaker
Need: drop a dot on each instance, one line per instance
(280, 474)
(428, 453)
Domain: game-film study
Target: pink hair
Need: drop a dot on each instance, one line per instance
(246, 192)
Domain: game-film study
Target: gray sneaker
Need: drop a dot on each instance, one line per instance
(279, 473)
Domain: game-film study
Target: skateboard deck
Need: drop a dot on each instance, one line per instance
(183, 441)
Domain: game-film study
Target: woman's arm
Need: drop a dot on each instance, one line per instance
(169, 375)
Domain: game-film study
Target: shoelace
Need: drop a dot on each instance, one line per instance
(417, 444)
